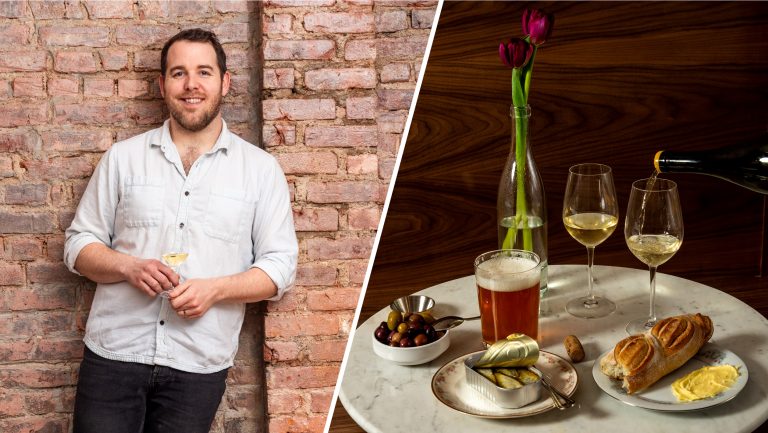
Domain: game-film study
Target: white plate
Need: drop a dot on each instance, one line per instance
(451, 388)
(659, 395)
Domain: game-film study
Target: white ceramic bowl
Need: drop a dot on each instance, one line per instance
(412, 355)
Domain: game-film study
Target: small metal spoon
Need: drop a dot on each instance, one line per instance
(451, 322)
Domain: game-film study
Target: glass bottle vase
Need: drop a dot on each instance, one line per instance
(521, 207)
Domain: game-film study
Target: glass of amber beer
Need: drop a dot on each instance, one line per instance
(508, 293)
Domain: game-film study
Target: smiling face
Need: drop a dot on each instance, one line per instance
(193, 85)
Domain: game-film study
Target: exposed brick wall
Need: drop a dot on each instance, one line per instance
(77, 75)
(338, 81)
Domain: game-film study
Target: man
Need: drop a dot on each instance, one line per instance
(158, 363)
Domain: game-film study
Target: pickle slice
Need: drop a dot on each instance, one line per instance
(507, 382)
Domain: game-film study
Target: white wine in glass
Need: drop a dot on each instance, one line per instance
(653, 230)
(173, 260)
(590, 214)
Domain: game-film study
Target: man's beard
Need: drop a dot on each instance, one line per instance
(189, 123)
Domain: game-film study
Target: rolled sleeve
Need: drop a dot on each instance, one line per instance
(95, 215)
(275, 248)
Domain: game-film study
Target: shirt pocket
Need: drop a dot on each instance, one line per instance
(225, 215)
(143, 202)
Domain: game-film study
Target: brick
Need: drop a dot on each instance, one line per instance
(391, 121)
(284, 402)
(360, 50)
(6, 167)
(29, 194)
(71, 36)
(299, 50)
(301, 325)
(45, 424)
(28, 86)
(103, 87)
(289, 302)
(320, 400)
(23, 61)
(288, 424)
(332, 300)
(55, 247)
(277, 23)
(276, 351)
(144, 36)
(299, 109)
(47, 272)
(342, 191)
(390, 21)
(47, 297)
(308, 162)
(278, 134)
(232, 32)
(58, 349)
(99, 9)
(63, 86)
(16, 350)
(340, 79)
(316, 219)
(77, 141)
(231, 6)
(242, 397)
(128, 88)
(401, 48)
(422, 18)
(13, 9)
(308, 274)
(362, 164)
(114, 59)
(386, 167)
(24, 248)
(94, 112)
(363, 107)
(75, 61)
(5, 89)
(153, 112)
(357, 271)
(389, 143)
(395, 99)
(363, 218)
(345, 248)
(73, 11)
(35, 222)
(19, 141)
(340, 136)
(13, 35)
(328, 351)
(296, 3)
(339, 22)
(21, 114)
(11, 274)
(59, 168)
(395, 72)
(35, 376)
(190, 8)
(280, 78)
(301, 377)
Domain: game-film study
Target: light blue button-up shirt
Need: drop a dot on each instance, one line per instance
(231, 212)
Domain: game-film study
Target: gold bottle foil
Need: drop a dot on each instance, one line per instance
(517, 350)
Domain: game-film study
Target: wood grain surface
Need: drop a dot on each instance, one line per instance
(615, 83)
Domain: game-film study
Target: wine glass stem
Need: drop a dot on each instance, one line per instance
(590, 260)
(652, 312)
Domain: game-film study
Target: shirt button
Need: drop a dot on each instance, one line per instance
(162, 322)
(186, 192)
(181, 225)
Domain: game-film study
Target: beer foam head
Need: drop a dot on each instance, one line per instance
(507, 274)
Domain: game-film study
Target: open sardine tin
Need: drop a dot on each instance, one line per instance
(517, 350)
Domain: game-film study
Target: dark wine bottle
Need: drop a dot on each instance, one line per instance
(745, 164)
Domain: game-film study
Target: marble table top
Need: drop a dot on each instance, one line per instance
(384, 397)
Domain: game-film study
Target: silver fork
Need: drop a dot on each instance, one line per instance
(554, 392)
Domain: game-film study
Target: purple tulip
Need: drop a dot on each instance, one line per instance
(537, 25)
(516, 53)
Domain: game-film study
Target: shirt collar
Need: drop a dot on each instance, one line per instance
(164, 140)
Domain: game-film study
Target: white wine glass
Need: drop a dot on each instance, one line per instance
(590, 214)
(653, 229)
(175, 254)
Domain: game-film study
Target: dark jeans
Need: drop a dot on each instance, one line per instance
(125, 397)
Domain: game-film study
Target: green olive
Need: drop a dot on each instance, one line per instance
(401, 328)
(394, 319)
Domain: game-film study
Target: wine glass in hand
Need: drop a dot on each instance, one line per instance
(590, 214)
(653, 230)
(176, 253)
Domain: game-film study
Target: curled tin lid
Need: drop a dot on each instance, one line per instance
(517, 350)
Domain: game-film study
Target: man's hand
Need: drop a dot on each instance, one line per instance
(150, 276)
(192, 298)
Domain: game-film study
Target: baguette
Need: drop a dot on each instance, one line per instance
(641, 360)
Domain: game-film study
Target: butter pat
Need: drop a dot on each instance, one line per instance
(705, 382)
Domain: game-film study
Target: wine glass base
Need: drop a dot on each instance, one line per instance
(638, 326)
(590, 308)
